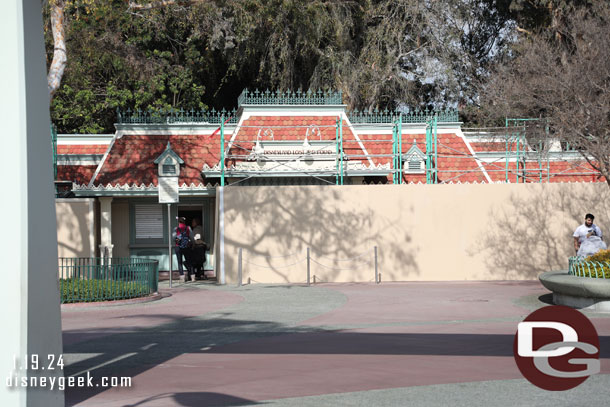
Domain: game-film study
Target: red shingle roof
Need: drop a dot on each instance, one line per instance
(130, 160)
(81, 148)
(81, 174)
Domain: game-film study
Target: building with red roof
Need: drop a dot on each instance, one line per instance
(284, 138)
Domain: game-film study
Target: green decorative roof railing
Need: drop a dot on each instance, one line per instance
(581, 267)
(268, 97)
(176, 116)
(418, 116)
(309, 97)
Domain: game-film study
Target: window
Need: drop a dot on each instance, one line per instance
(169, 169)
(149, 221)
(414, 160)
(414, 164)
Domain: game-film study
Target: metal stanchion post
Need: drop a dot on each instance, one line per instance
(169, 243)
(376, 269)
(239, 269)
(308, 267)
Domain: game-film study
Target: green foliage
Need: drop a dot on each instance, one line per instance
(380, 54)
(79, 290)
(602, 255)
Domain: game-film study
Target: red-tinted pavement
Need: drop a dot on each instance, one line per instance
(374, 337)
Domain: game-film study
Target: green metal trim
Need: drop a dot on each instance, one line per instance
(518, 158)
(581, 267)
(400, 172)
(171, 116)
(298, 173)
(337, 151)
(417, 116)
(222, 152)
(83, 279)
(431, 151)
(341, 148)
(278, 97)
(397, 168)
(435, 130)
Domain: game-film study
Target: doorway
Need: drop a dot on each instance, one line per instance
(191, 212)
(199, 211)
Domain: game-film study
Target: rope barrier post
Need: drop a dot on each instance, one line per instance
(169, 243)
(308, 266)
(376, 269)
(239, 268)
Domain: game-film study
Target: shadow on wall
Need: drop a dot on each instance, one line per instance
(73, 229)
(533, 233)
(277, 226)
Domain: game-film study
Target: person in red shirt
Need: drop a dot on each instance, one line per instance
(182, 239)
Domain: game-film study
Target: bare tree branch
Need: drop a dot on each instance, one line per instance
(566, 82)
(56, 70)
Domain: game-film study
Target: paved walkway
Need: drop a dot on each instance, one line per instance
(393, 344)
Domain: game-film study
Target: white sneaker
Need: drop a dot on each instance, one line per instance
(193, 277)
(182, 279)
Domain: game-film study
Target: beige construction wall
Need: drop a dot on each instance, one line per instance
(423, 232)
(75, 227)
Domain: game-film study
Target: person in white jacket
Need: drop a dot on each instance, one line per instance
(588, 232)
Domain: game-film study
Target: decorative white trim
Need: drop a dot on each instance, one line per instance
(291, 110)
(139, 188)
(84, 139)
(79, 159)
(364, 150)
(246, 167)
(474, 155)
(165, 129)
(233, 135)
(101, 164)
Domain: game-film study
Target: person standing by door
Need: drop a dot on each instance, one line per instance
(182, 238)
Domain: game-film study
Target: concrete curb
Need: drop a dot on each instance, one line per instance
(577, 292)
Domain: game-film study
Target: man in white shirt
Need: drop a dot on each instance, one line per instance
(586, 230)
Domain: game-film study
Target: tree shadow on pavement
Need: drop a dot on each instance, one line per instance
(196, 399)
(132, 353)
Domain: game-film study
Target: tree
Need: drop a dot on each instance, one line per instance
(564, 79)
(58, 64)
(202, 53)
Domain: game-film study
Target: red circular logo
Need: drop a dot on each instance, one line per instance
(556, 348)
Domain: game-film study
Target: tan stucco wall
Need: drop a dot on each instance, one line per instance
(120, 228)
(423, 232)
(75, 227)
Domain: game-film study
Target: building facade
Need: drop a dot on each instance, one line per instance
(282, 138)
